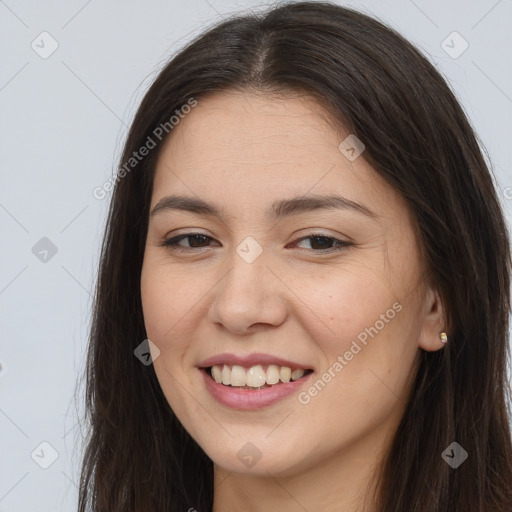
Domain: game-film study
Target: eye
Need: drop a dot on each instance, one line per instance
(319, 242)
(323, 243)
(198, 240)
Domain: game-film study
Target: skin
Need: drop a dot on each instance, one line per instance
(242, 151)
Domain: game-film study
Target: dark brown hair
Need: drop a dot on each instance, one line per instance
(377, 85)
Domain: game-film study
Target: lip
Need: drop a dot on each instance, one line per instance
(250, 360)
(247, 399)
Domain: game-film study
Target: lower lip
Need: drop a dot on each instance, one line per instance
(247, 399)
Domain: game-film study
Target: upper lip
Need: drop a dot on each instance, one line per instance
(250, 360)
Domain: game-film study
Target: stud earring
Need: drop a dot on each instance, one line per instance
(444, 337)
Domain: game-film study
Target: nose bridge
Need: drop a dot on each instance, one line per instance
(248, 294)
(246, 282)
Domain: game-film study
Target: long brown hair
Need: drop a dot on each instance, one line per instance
(138, 457)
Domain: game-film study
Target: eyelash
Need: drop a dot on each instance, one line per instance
(172, 243)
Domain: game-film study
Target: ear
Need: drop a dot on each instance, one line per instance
(434, 322)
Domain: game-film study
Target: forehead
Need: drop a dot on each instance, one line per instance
(246, 125)
(252, 149)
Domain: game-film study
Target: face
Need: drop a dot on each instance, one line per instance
(315, 310)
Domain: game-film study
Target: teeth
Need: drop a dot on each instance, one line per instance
(297, 374)
(226, 375)
(217, 374)
(255, 376)
(238, 376)
(272, 376)
(285, 374)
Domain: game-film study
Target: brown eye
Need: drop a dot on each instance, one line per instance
(320, 243)
(196, 240)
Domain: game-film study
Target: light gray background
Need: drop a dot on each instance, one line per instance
(63, 121)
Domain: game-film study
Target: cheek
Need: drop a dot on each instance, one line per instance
(345, 304)
(167, 299)
(165, 303)
(156, 308)
(366, 337)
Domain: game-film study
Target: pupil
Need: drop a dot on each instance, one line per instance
(195, 237)
(324, 238)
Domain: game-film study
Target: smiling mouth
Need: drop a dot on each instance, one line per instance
(256, 377)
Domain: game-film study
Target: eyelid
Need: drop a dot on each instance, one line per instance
(306, 232)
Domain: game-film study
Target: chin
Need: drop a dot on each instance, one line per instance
(258, 458)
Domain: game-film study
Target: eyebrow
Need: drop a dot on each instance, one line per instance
(278, 209)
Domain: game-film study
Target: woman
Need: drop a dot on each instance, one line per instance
(303, 296)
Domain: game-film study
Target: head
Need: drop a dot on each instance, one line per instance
(303, 103)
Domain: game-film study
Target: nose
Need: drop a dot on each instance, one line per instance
(249, 297)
